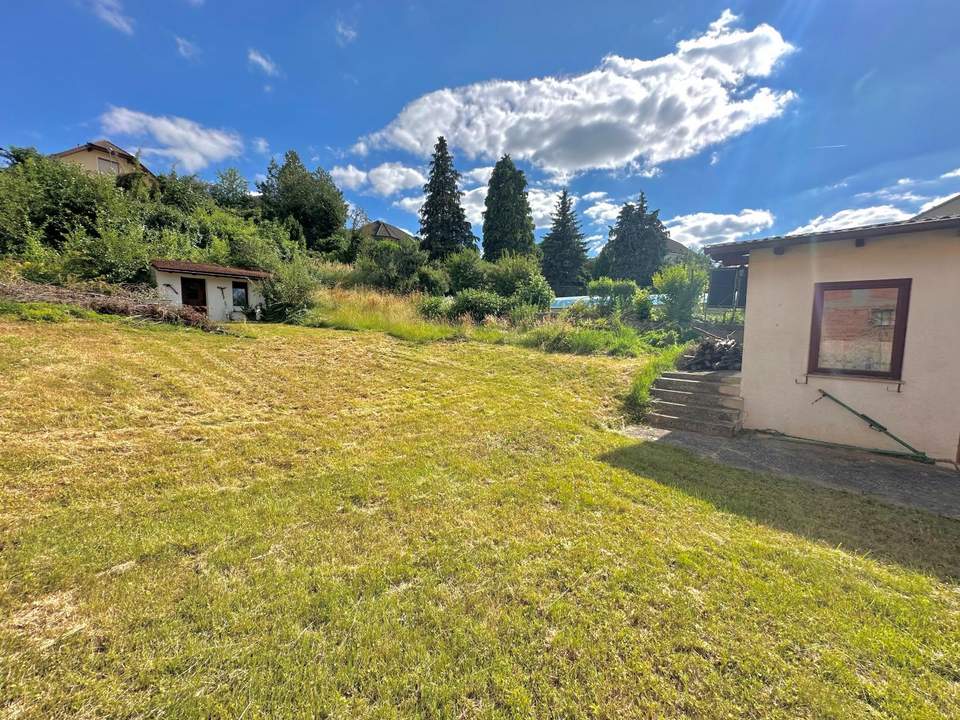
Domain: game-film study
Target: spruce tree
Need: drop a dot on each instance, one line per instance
(564, 249)
(444, 229)
(507, 220)
(637, 245)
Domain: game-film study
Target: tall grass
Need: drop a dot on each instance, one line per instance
(360, 309)
(638, 398)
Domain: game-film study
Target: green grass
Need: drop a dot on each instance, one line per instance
(638, 397)
(305, 522)
(44, 312)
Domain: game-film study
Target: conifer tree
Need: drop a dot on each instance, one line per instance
(444, 229)
(507, 220)
(564, 249)
(637, 245)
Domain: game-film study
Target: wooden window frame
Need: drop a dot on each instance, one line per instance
(903, 286)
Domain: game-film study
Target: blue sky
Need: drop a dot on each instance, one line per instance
(738, 119)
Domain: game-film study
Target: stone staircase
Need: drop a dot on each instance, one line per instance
(703, 402)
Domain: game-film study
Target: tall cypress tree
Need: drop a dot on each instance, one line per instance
(507, 220)
(564, 249)
(443, 225)
(637, 245)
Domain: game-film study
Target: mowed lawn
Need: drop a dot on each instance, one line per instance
(316, 523)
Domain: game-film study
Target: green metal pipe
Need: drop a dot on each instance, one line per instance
(874, 425)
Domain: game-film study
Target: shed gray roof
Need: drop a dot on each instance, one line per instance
(736, 253)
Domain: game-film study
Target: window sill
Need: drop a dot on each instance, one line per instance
(858, 378)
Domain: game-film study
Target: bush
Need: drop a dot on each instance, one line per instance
(113, 254)
(433, 307)
(287, 293)
(467, 271)
(511, 272)
(534, 291)
(522, 316)
(660, 338)
(615, 296)
(433, 280)
(566, 338)
(390, 265)
(478, 304)
(681, 288)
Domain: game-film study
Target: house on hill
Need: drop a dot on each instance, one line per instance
(220, 292)
(861, 316)
(102, 157)
(384, 231)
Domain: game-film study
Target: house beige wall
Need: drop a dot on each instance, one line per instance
(219, 292)
(87, 159)
(777, 393)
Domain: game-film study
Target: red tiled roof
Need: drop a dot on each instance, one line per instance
(192, 268)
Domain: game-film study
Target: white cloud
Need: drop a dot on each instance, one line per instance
(392, 177)
(186, 48)
(480, 175)
(410, 204)
(386, 179)
(595, 195)
(626, 113)
(349, 177)
(111, 12)
(263, 62)
(951, 174)
(346, 34)
(261, 145)
(705, 228)
(603, 212)
(853, 217)
(190, 145)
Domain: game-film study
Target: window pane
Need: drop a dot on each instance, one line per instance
(240, 294)
(108, 167)
(857, 327)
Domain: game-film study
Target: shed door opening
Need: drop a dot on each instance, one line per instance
(194, 292)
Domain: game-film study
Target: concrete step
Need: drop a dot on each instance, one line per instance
(696, 412)
(686, 384)
(672, 422)
(686, 397)
(727, 377)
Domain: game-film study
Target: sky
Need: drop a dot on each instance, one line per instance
(737, 119)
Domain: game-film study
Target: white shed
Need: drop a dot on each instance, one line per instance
(221, 292)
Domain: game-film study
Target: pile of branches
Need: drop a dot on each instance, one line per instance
(136, 301)
(713, 353)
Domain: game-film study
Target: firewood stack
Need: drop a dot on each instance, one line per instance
(715, 354)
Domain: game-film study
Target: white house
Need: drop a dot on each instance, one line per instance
(222, 293)
(864, 316)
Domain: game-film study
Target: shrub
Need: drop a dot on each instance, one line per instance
(535, 291)
(332, 274)
(433, 280)
(390, 264)
(660, 338)
(522, 315)
(681, 288)
(478, 304)
(641, 306)
(567, 338)
(614, 296)
(434, 307)
(287, 293)
(467, 271)
(114, 254)
(511, 272)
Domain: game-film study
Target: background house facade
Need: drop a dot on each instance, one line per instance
(102, 157)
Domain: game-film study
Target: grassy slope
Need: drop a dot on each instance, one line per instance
(304, 521)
